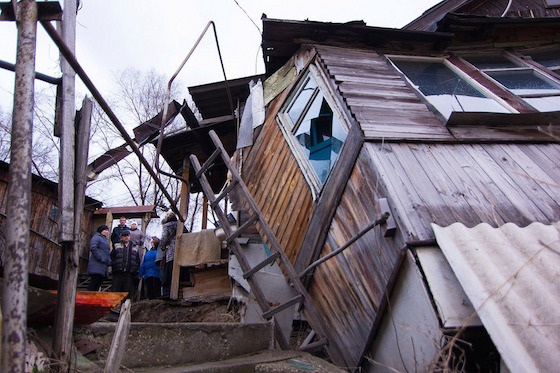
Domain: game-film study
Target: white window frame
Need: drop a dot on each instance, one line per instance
(288, 127)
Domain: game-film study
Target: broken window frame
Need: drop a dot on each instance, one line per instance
(289, 128)
(441, 108)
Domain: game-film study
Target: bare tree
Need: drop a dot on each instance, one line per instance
(45, 147)
(140, 96)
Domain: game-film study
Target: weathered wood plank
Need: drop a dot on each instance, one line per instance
(390, 181)
(546, 156)
(498, 203)
(373, 78)
(460, 181)
(514, 194)
(529, 177)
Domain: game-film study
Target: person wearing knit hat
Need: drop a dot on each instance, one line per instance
(99, 258)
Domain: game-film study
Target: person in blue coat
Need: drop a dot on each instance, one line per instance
(99, 258)
(149, 271)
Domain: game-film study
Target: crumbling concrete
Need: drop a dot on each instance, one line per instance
(173, 344)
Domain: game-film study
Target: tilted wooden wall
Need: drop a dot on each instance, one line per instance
(349, 288)
(278, 186)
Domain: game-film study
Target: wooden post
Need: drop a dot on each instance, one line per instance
(204, 212)
(67, 135)
(183, 208)
(68, 234)
(18, 207)
(118, 344)
(66, 299)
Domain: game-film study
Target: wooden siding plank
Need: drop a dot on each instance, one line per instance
(367, 78)
(419, 179)
(498, 202)
(547, 157)
(365, 91)
(439, 177)
(538, 184)
(390, 181)
(512, 190)
(488, 132)
(351, 285)
(477, 201)
(295, 215)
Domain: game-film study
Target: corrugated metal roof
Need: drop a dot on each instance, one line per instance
(511, 274)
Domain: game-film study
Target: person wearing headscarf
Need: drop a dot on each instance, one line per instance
(99, 258)
(136, 235)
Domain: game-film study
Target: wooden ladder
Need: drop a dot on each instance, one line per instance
(278, 253)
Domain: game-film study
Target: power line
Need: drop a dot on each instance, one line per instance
(253, 22)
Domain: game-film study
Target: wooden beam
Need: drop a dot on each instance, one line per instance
(62, 339)
(328, 201)
(118, 344)
(183, 208)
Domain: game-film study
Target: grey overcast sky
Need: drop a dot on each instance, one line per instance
(113, 35)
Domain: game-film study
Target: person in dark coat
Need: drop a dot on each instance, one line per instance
(99, 258)
(116, 235)
(167, 243)
(149, 271)
(125, 264)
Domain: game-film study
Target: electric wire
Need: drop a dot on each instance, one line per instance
(250, 19)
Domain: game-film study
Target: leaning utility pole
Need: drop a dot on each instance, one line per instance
(18, 209)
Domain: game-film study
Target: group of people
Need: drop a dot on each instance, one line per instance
(127, 265)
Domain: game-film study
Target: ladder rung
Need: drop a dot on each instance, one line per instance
(208, 163)
(242, 228)
(264, 263)
(224, 193)
(268, 314)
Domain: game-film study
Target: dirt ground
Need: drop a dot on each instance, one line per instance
(163, 311)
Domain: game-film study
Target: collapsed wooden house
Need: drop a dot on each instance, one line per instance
(419, 157)
(44, 248)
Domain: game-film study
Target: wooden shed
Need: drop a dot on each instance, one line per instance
(44, 250)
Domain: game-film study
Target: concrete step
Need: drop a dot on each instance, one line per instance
(269, 361)
(177, 344)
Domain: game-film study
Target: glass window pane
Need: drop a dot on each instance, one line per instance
(320, 136)
(524, 82)
(446, 90)
(494, 61)
(304, 95)
(548, 58)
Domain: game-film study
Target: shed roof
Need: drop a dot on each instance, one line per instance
(128, 211)
(212, 100)
(510, 275)
(282, 38)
